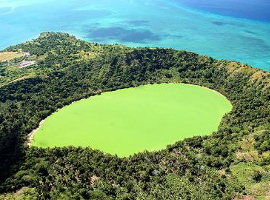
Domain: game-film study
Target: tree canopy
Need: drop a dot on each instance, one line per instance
(68, 69)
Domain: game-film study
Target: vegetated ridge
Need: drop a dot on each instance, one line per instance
(232, 163)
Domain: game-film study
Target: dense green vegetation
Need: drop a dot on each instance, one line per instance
(211, 167)
(148, 117)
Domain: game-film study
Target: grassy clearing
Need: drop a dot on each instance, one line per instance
(24, 193)
(255, 178)
(6, 56)
(132, 120)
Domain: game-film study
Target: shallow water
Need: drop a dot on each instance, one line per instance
(132, 120)
(214, 28)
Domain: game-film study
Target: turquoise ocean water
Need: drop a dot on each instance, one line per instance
(226, 29)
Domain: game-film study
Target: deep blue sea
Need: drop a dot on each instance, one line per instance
(227, 29)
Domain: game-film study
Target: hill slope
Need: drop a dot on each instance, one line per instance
(231, 163)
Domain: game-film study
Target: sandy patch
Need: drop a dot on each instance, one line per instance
(30, 136)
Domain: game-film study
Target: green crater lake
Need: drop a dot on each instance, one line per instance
(132, 120)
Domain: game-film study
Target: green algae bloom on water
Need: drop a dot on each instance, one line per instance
(132, 120)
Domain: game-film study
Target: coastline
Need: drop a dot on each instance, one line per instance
(209, 33)
(31, 135)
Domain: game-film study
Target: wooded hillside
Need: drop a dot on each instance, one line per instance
(230, 163)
